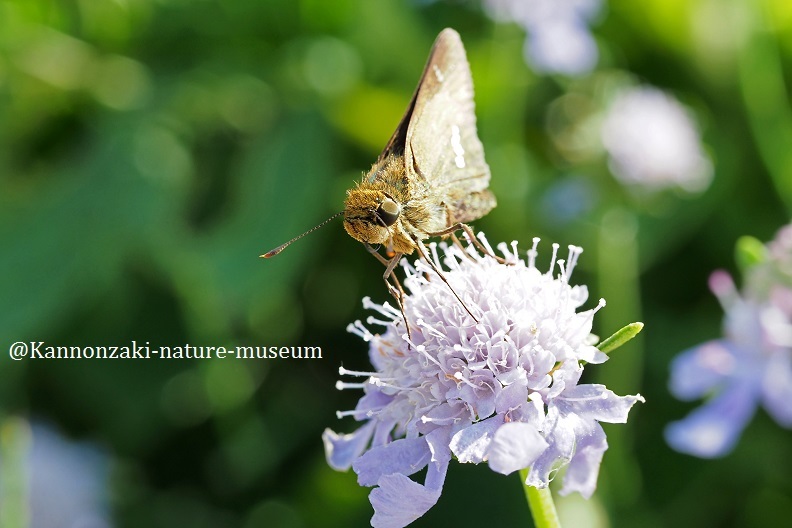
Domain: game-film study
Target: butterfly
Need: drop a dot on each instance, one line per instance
(431, 178)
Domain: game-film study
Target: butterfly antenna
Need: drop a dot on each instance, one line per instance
(270, 254)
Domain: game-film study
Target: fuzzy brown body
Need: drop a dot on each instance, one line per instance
(431, 176)
(424, 210)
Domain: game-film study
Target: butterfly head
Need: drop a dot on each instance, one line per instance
(369, 214)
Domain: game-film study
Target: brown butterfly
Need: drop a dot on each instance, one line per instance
(431, 177)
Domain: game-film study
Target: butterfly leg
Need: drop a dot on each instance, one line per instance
(425, 256)
(397, 292)
(458, 244)
(472, 237)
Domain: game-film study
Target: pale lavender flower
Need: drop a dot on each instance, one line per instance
(559, 40)
(750, 366)
(504, 390)
(67, 481)
(653, 142)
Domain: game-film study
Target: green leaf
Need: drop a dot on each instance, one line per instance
(620, 337)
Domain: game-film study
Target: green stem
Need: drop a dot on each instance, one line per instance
(540, 501)
(14, 445)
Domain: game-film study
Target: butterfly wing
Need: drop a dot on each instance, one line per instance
(437, 135)
(441, 142)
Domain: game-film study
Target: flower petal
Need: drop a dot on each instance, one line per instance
(596, 402)
(777, 389)
(698, 370)
(398, 501)
(405, 456)
(591, 354)
(472, 443)
(583, 469)
(560, 433)
(511, 397)
(342, 450)
(515, 446)
(713, 429)
(438, 441)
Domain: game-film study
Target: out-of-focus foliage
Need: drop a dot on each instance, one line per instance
(150, 150)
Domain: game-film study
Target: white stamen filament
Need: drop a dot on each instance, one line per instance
(533, 252)
(485, 243)
(379, 383)
(553, 259)
(574, 254)
(463, 379)
(357, 412)
(346, 372)
(342, 385)
(434, 256)
(373, 320)
(385, 309)
(359, 330)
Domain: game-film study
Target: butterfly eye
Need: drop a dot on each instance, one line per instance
(388, 212)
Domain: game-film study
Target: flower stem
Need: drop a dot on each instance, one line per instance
(540, 501)
(14, 446)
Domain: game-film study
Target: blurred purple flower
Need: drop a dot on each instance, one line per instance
(68, 482)
(559, 40)
(504, 390)
(653, 142)
(751, 365)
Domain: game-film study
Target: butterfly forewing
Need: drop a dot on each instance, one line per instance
(442, 144)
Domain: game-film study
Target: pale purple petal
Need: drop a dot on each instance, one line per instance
(560, 434)
(583, 469)
(481, 395)
(698, 370)
(406, 456)
(777, 389)
(515, 446)
(438, 441)
(592, 355)
(444, 414)
(712, 430)
(471, 443)
(531, 412)
(398, 501)
(595, 402)
(342, 450)
(382, 433)
(436, 474)
(374, 399)
(511, 397)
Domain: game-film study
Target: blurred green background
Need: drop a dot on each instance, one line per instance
(150, 150)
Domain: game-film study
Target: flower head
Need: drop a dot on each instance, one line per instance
(653, 142)
(751, 365)
(502, 388)
(559, 40)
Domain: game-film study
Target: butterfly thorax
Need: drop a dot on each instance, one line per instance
(390, 208)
